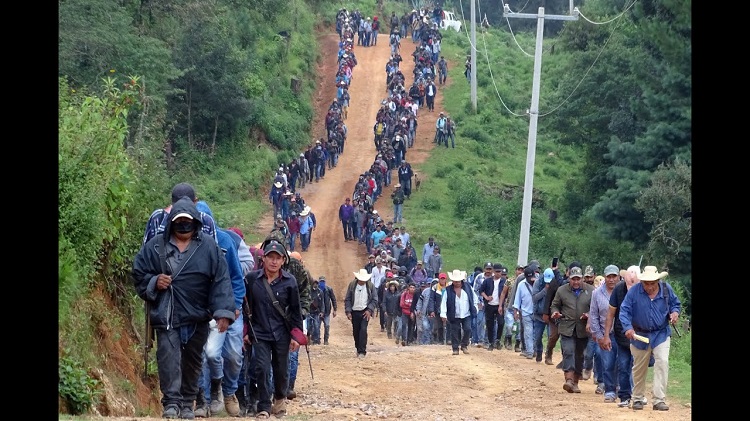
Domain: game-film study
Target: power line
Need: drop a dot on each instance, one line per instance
(608, 21)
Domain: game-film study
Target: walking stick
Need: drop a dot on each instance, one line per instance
(310, 362)
(674, 326)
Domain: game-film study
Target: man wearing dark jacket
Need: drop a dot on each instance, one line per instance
(183, 274)
(329, 305)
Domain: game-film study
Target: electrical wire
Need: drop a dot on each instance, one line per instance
(608, 21)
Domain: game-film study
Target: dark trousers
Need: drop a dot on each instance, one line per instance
(271, 355)
(430, 102)
(179, 357)
(347, 230)
(573, 349)
(359, 331)
(624, 371)
(382, 318)
(491, 319)
(460, 332)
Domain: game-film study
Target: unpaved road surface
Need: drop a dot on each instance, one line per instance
(413, 382)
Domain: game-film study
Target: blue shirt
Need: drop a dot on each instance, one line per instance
(649, 317)
(377, 236)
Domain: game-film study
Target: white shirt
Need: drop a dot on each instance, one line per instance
(462, 305)
(360, 297)
(496, 292)
(378, 275)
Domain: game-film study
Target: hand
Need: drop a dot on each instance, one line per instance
(163, 281)
(516, 316)
(321, 315)
(236, 314)
(630, 334)
(432, 315)
(222, 324)
(367, 315)
(349, 316)
(500, 310)
(556, 315)
(334, 313)
(673, 317)
(293, 345)
(584, 316)
(444, 319)
(545, 317)
(605, 343)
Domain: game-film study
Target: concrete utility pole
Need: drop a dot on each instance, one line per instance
(473, 82)
(528, 185)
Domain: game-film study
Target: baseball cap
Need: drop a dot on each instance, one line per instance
(575, 272)
(488, 265)
(529, 273)
(419, 262)
(443, 275)
(497, 266)
(273, 246)
(611, 270)
(548, 275)
(183, 189)
(589, 271)
(182, 215)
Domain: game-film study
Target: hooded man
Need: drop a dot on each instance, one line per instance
(183, 275)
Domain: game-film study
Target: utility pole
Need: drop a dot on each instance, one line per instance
(528, 185)
(473, 72)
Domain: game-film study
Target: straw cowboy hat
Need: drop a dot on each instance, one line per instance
(362, 275)
(457, 275)
(650, 273)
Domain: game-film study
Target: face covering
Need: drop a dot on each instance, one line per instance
(322, 285)
(183, 227)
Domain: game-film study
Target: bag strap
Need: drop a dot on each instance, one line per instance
(276, 304)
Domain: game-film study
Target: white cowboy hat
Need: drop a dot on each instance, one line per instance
(650, 273)
(457, 275)
(362, 275)
(304, 212)
(277, 184)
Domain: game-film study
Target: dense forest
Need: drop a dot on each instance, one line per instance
(156, 91)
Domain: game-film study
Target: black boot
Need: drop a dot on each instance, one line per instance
(508, 342)
(518, 346)
(201, 406)
(217, 399)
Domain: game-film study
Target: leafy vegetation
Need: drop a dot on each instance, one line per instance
(154, 93)
(76, 386)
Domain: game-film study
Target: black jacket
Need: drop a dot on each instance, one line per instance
(201, 288)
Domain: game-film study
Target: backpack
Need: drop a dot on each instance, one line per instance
(379, 128)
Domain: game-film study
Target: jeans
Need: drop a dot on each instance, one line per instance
(313, 327)
(508, 328)
(304, 240)
(426, 334)
(318, 166)
(179, 354)
(397, 212)
(609, 367)
(271, 355)
(347, 226)
(407, 325)
(292, 366)
(375, 36)
(460, 332)
(624, 371)
(292, 240)
(573, 348)
(325, 321)
(223, 358)
(527, 321)
(481, 328)
(391, 324)
(539, 327)
(354, 230)
(592, 359)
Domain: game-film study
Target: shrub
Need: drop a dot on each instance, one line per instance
(430, 204)
(75, 386)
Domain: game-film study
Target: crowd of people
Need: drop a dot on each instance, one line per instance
(227, 316)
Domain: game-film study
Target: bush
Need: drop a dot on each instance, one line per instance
(75, 386)
(430, 204)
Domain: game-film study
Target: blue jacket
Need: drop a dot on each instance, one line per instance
(231, 253)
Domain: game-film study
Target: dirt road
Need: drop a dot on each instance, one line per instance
(413, 382)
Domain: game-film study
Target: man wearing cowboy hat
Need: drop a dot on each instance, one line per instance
(457, 307)
(359, 305)
(648, 309)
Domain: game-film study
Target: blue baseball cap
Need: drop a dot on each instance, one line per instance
(548, 275)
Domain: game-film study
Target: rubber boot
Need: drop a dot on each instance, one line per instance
(576, 378)
(508, 342)
(568, 386)
(518, 346)
(217, 398)
(291, 394)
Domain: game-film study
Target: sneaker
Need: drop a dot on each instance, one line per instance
(279, 408)
(465, 349)
(455, 352)
(599, 389)
(360, 355)
(490, 348)
(609, 398)
(171, 412)
(186, 413)
(586, 375)
(232, 405)
(637, 405)
(624, 404)
(661, 406)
